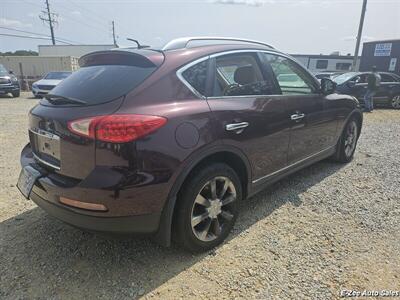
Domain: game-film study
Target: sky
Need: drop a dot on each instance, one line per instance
(293, 26)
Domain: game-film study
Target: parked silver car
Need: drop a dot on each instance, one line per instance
(48, 82)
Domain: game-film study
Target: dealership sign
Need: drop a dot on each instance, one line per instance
(383, 49)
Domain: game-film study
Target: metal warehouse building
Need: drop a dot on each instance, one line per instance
(385, 55)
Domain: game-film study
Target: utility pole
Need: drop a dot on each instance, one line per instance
(49, 19)
(360, 29)
(113, 33)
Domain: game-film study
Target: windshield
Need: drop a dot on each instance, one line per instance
(57, 75)
(344, 77)
(3, 71)
(100, 84)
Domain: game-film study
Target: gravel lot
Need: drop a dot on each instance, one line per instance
(323, 229)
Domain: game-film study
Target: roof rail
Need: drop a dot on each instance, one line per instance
(180, 43)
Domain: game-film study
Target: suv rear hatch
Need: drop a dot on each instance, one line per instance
(98, 88)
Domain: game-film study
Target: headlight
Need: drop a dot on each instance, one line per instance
(34, 86)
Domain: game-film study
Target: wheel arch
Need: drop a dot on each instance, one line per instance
(232, 156)
(357, 114)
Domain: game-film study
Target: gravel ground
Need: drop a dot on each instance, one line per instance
(326, 228)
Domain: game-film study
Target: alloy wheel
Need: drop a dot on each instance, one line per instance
(350, 138)
(211, 211)
(396, 102)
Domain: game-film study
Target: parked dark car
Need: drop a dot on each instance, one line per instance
(169, 141)
(329, 75)
(9, 82)
(355, 83)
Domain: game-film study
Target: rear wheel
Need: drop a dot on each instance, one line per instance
(348, 142)
(395, 102)
(207, 208)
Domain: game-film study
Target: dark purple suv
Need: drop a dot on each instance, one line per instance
(167, 142)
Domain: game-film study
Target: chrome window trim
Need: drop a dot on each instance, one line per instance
(292, 165)
(188, 85)
(227, 52)
(45, 162)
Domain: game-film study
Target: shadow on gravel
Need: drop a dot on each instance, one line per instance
(43, 258)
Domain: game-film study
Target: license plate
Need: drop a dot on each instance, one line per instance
(27, 179)
(48, 144)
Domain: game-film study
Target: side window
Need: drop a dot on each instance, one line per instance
(387, 78)
(240, 75)
(363, 78)
(196, 76)
(291, 78)
(322, 64)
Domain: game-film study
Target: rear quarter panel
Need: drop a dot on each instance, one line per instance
(160, 156)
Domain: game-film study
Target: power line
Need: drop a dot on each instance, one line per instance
(32, 37)
(49, 19)
(103, 31)
(91, 14)
(39, 34)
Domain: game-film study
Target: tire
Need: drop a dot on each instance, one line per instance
(348, 142)
(16, 94)
(395, 102)
(202, 220)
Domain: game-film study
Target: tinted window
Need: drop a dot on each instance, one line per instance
(291, 78)
(196, 76)
(322, 64)
(240, 75)
(344, 77)
(387, 78)
(99, 84)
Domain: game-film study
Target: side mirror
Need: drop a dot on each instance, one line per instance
(11, 72)
(327, 86)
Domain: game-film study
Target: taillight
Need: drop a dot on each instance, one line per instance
(116, 128)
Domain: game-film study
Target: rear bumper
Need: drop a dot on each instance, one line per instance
(146, 224)
(129, 213)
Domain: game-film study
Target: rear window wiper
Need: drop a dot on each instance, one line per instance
(57, 99)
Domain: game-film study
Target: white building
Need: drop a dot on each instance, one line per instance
(71, 50)
(326, 63)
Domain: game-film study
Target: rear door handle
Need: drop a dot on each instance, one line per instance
(238, 127)
(296, 117)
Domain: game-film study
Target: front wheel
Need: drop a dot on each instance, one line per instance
(348, 142)
(207, 208)
(395, 102)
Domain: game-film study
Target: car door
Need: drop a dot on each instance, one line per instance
(389, 87)
(359, 85)
(313, 116)
(249, 113)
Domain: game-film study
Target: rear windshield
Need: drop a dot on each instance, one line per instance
(102, 83)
